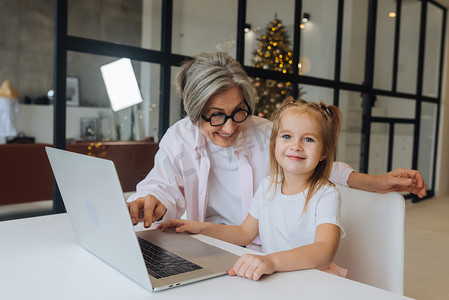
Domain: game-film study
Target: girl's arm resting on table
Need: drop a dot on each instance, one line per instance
(239, 235)
(398, 180)
(317, 255)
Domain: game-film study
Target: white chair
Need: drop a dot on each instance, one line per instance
(373, 249)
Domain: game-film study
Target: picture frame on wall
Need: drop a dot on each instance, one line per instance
(73, 91)
(89, 128)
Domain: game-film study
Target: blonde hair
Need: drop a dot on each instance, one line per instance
(329, 117)
(208, 74)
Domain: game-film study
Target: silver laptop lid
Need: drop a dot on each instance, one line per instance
(94, 200)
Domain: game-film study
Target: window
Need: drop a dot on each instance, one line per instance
(370, 60)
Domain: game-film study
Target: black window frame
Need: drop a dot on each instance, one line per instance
(65, 43)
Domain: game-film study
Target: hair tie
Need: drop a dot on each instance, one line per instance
(322, 106)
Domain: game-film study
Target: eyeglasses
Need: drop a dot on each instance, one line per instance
(238, 116)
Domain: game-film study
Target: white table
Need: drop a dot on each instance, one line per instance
(40, 259)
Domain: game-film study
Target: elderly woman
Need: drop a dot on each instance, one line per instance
(210, 163)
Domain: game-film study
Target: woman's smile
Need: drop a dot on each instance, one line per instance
(225, 134)
(226, 103)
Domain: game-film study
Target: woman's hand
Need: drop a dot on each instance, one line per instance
(252, 266)
(397, 180)
(183, 226)
(151, 208)
(402, 180)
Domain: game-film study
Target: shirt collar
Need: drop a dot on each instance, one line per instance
(200, 141)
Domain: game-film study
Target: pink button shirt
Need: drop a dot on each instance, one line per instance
(181, 168)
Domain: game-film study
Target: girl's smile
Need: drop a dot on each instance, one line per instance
(295, 157)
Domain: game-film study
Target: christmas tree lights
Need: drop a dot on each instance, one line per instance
(274, 53)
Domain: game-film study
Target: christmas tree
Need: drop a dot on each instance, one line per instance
(274, 53)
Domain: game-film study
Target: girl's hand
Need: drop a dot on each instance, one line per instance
(182, 226)
(252, 266)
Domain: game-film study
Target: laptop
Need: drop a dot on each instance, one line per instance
(94, 200)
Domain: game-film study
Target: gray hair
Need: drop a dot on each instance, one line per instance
(207, 74)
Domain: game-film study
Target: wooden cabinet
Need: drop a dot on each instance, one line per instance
(133, 160)
(25, 173)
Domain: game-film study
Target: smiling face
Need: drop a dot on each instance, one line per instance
(225, 102)
(299, 144)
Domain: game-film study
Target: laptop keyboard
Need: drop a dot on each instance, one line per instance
(163, 263)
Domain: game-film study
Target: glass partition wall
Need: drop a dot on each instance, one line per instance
(26, 62)
(380, 61)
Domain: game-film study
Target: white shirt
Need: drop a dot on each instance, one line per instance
(180, 176)
(282, 224)
(8, 110)
(223, 192)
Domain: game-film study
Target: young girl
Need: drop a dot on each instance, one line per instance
(296, 210)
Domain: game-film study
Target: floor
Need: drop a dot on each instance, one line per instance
(427, 249)
(426, 245)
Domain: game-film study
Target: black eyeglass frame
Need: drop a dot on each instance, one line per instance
(231, 116)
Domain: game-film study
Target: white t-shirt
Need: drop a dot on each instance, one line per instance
(282, 226)
(224, 191)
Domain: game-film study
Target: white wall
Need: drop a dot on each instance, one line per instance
(442, 168)
(204, 26)
(37, 121)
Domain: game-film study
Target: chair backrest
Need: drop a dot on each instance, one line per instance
(373, 249)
